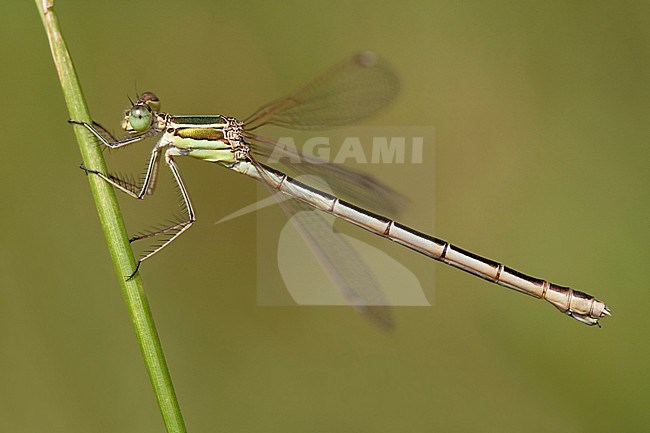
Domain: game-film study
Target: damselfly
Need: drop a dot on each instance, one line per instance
(350, 91)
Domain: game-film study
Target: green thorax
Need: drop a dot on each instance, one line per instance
(203, 137)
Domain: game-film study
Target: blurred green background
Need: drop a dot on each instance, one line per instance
(542, 119)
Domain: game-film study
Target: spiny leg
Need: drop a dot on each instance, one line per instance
(93, 129)
(133, 189)
(106, 133)
(148, 183)
(176, 229)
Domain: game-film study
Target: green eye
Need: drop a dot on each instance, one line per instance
(140, 118)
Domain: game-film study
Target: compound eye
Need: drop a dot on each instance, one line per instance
(140, 117)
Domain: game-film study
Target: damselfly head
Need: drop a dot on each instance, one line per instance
(141, 115)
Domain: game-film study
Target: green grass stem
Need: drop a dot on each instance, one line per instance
(113, 226)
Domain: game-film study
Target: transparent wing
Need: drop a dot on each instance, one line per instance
(359, 188)
(350, 91)
(341, 263)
